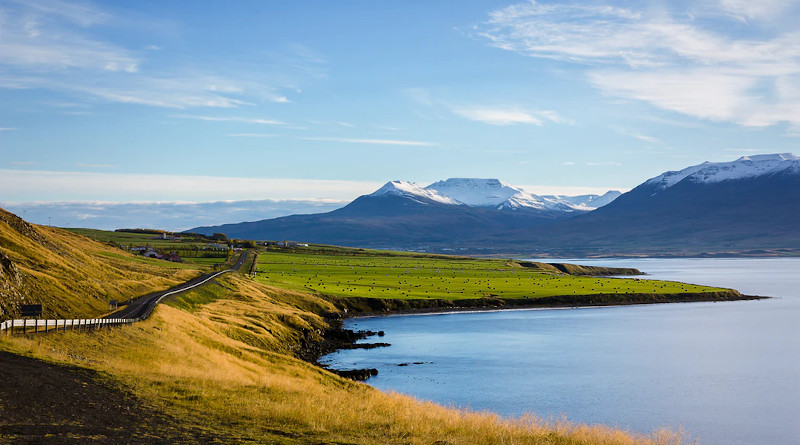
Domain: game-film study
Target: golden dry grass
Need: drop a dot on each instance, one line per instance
(71, 275)
(221, 358)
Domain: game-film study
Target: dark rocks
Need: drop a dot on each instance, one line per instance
(355, 374)
(365, 346)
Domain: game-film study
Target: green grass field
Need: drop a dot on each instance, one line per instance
(370, 274)
(190, 248)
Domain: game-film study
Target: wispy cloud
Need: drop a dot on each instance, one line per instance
(688, 61)
(636, 135)
(508, 116)
(22, 163)
(370, 141)
(54, 45)
(492, 115)
(244, 120)
(746, 10)
(332, 124)
(387, 128)
(7, 129)
(95, 165)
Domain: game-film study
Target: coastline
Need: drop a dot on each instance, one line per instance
(338, 338)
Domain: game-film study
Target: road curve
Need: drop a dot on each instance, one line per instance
(143, 306)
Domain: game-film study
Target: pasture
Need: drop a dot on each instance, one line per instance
(413, 276)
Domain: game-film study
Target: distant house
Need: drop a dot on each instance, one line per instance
(152, 254)
(173, 256)
(139, 249)
(165, 236)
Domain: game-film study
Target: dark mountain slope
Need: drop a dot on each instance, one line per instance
(758, 213)
(386, 221)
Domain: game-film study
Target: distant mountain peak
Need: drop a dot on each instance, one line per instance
(478, 192)
(746, 167)
(586, 202)
(770, 157)
(412, 190)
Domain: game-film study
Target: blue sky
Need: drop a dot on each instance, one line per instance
(317, 100)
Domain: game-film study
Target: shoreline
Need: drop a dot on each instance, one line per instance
(339, 338)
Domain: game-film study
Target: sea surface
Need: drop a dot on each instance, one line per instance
(723, 373)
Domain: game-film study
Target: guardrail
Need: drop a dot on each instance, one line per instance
(87, 324)
(36, 325)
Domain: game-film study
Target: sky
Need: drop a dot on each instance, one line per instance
(151, 103)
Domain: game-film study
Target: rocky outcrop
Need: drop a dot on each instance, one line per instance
(12, 288)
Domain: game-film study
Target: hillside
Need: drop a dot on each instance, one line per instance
(71, 275)
(747, 206)
(222, 362)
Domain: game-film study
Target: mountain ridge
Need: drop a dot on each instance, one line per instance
(750, 204)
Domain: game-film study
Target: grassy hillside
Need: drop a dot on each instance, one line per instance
(223, 360)
(71, 275)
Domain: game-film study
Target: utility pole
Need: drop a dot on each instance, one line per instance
(48, 221)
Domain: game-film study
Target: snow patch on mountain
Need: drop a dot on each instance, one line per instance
(586, 202)
(475, 192)
(494, 193)
(414, 191)
(746, 167)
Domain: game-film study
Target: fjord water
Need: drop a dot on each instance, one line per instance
(724, 373)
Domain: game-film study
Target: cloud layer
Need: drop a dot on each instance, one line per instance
(174, 216)
(32, 185)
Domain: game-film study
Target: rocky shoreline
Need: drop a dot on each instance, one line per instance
(338, 338)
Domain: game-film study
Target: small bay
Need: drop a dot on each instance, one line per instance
(725, 373)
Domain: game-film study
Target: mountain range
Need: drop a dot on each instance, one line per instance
(405, 215)
(747, 206)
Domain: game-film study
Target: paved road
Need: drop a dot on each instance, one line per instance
(144, 305)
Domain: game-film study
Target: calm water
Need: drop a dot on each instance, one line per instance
(726, 373)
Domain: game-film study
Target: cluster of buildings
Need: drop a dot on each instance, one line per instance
(149, 252)
(285, 244)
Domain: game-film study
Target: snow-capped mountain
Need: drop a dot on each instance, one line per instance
(746, 167)
(480, 192)
(747, 206)
(487, 193)
(496, 194)
(413, 191)
(586, 202)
